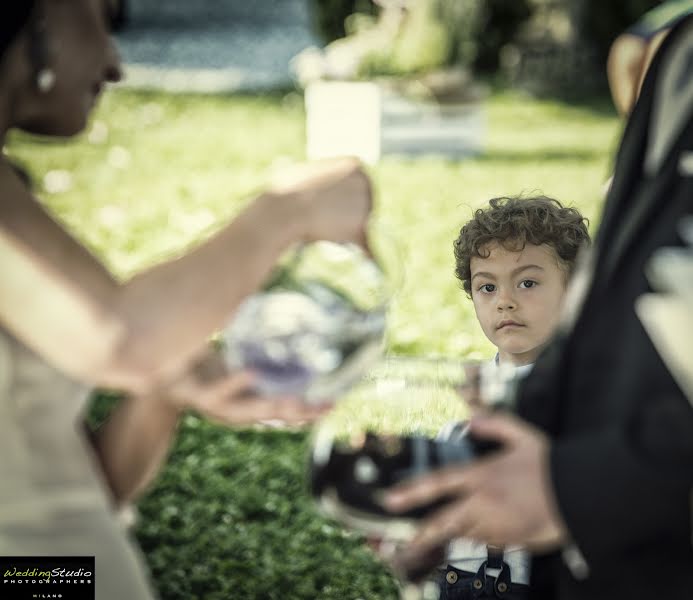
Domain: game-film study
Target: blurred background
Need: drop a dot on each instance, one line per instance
(458, 101)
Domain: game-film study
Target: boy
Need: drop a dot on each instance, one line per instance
(514, 259)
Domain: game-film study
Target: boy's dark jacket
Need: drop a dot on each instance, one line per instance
(622, 430)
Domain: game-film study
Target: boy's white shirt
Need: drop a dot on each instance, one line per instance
(468, 555)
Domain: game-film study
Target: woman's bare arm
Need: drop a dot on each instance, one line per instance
(133, 444)
(62, 303)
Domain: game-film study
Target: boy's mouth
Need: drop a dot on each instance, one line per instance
(508, 323)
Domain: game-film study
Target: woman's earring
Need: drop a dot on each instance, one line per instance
(45, 80)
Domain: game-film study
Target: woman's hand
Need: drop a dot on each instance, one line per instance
(134, 442)
(335, 196)
(230, 398)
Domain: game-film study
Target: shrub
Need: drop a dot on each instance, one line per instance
(329, 16)
(462, 32)
(424, 40)
(498, 24)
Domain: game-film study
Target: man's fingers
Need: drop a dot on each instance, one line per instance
(422, 490)
(415, 563)
(453, 520)
(506, 429)
(428, 548)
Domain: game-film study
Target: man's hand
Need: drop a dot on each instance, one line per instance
(505, 498)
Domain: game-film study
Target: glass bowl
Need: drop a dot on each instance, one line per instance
(318, 324)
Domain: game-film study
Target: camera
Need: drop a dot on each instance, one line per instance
(405, 419)
(347, 477)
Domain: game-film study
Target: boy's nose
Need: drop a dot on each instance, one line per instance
(506, 302)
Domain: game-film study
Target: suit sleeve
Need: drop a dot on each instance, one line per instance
(628, 484)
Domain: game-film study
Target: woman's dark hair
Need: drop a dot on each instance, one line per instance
(13, 16)
(514, 222)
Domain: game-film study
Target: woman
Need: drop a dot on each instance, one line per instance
(66, 325)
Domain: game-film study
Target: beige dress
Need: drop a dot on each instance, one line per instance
(53, 499)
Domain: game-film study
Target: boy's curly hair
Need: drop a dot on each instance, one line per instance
(514, 222)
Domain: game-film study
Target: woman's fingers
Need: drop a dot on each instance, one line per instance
(232, 398)
(243, 408)
(232, 385)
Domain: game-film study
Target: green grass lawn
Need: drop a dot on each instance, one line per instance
(229, 517)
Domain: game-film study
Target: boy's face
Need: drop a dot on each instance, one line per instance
(517, 297)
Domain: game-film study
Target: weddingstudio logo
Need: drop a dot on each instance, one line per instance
(39, 577)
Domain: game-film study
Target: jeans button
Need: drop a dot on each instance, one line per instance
(502, 587)
(451, 577)
(477, 584)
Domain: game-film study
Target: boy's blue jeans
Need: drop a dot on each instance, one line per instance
(456, 584)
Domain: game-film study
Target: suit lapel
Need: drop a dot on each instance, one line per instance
(672, 103)
(631, 208)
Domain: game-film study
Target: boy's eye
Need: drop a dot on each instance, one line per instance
(527, 283)
(487, 288)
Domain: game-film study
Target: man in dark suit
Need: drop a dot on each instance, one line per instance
(596, 473)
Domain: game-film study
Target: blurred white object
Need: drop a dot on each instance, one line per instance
(669, 323)
(686, 230)
(343, 119)
(668, 316)
(367, 120)
(671, 270)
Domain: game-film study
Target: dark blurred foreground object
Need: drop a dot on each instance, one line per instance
(621, 426)
(632, 51)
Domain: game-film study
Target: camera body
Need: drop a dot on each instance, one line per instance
(348, 478)
(351, 467)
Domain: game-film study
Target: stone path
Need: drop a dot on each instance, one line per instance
(214, 45)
